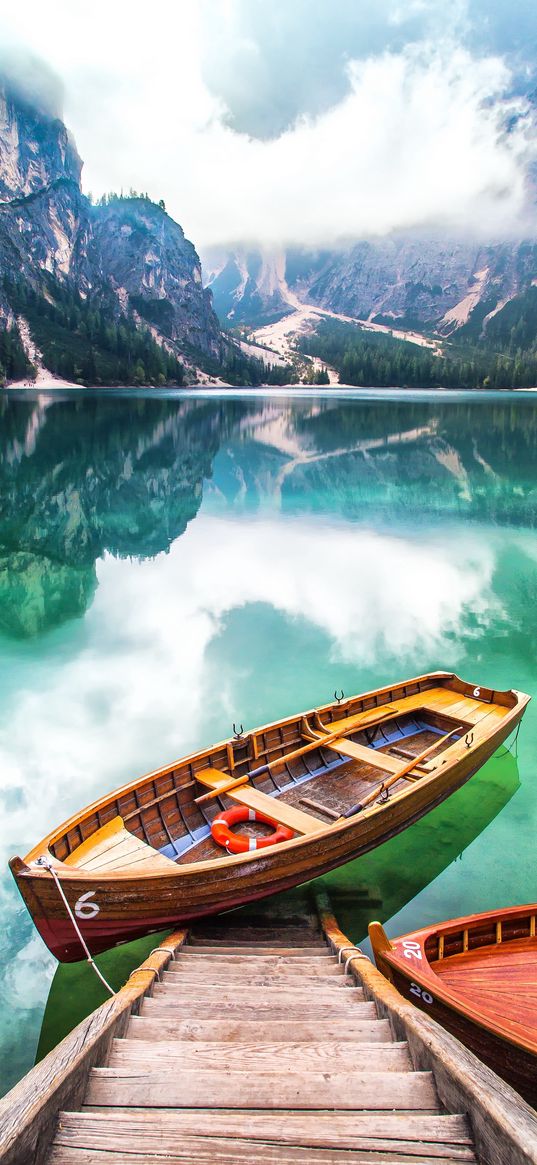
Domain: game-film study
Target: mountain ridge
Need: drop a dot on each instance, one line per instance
(430, 284)
(124, 256)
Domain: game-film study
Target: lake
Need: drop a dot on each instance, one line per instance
(164, 554)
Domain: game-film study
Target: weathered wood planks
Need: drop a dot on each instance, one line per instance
(221, 1078)
(438, 1135)
(235, 1088)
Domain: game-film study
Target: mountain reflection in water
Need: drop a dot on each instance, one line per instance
(84, 477)
(171, 564)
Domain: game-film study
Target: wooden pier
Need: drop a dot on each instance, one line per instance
(246, 1040)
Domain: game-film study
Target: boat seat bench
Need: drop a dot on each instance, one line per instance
(277, 810)
(112, 847)
(369, 756)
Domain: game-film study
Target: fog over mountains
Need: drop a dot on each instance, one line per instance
(376, 161)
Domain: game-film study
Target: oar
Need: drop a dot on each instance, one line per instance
(319, 742)
(397, 776)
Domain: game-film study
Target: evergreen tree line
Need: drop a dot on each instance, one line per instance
(84, 341)
(383, 362)
(111, 196)
(14, 363)
(238, 368)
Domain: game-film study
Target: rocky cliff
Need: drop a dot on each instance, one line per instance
(127, 256)
(426, 283)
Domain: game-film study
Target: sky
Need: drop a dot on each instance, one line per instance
(303, 121)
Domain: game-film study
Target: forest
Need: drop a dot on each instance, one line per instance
(376, 359)
(85, 342)
(14, 363)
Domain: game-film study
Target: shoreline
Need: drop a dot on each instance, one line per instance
(210, 389)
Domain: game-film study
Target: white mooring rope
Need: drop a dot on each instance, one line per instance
(43, 861)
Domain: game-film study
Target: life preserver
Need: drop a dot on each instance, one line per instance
(238, 843)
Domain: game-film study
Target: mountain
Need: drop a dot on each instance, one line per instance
(107, 287)
(247, 286)
(415, 281)
(421, 282)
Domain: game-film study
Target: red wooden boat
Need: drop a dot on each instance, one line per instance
(477, 976)
(333, 782)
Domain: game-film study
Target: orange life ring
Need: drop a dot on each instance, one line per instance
(238, 843)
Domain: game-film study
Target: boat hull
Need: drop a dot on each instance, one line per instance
(127, 907)
(515, 1065)
(477, 977)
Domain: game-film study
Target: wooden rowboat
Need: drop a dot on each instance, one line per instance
(477, 976)
(339, 780)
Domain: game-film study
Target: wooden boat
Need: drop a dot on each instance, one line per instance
(477, 976)
(339, 779)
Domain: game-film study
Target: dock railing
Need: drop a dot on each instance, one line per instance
(29, 1112)
(504, 1127)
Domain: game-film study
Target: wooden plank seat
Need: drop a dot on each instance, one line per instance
(277, 810)
(369, 756)
(112, 847)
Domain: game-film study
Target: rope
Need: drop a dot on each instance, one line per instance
(145, 971)
(505, 748)
(357, 954)
(43, 861)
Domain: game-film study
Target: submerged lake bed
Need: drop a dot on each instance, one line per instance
(173, 562)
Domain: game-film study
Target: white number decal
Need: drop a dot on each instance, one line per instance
(477, 692)
(411, 949)
(84, 908)
(415, 989)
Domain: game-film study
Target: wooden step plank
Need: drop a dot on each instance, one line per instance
(265, 1009)
(314, 969)
(339, 993)
(238, 1089)
(290, 934)
(318, 1129)
(265, 980)
(219, 1151)
(256, 1029)
(255, 952)
(286, 935)
(332, 977)
(200, 959)
(206, 1151)
(318, 965)
(332, 1055)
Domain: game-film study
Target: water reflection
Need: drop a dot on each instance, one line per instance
(82, 477)
(168, 566)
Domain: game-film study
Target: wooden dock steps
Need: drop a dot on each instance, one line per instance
(292, 1136)
(255, 1046)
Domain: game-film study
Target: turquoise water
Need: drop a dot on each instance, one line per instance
(172, 563)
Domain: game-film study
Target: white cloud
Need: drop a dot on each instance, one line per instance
(418, 140)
